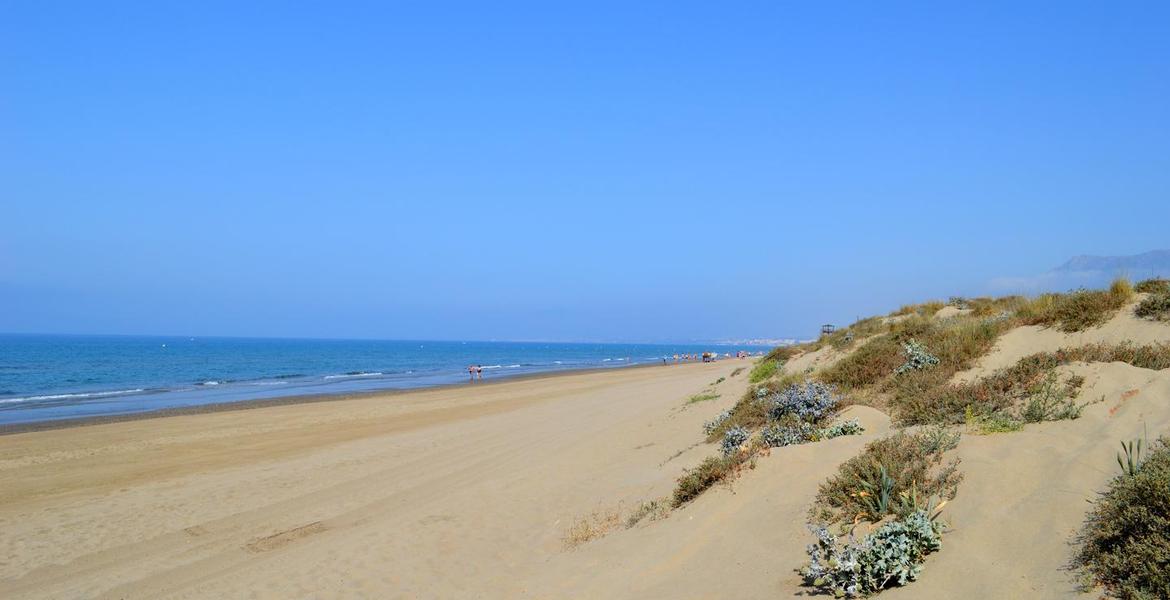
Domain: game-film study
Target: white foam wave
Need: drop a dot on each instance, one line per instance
(347, 375)
(65, 396)
(491, 367)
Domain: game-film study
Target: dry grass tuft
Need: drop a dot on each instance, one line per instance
(1079, 310)
(591, 527)
(1153, 286)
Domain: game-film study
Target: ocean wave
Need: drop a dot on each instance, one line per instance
(491, 367)
(512, 367)
(354, 374)
(78, 395)
(268, 383)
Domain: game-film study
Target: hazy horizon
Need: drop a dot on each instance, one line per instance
(564, 173)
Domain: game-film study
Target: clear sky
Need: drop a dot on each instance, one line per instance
(603, 171)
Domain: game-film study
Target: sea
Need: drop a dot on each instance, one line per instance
(51, 377)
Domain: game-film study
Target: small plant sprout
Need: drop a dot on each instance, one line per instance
(877, 496)
(1132, 464)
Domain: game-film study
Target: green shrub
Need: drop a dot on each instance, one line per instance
(991, 422)
(1153, 286)
(1125, 542)
(1050, 400)
(881, 362)
(902, 458)
(997, 395)
(763, 370)
(711, 471)
(1156, 307)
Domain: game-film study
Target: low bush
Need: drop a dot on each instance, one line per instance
(899, 362)
(751, 412)
(763, 370)
(1052, 401)
(891, 555)
(987, 423)
(1124, 544)
(999, 393)
(1156, 307)
(1153, 286)
(936, 439)
(904, 459)
(872, 362)
(925, 309)
(711, 471)
(1078, 310)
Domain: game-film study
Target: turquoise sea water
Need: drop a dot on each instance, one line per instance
(48, 377)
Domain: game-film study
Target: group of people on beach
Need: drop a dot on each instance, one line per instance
(475, 372)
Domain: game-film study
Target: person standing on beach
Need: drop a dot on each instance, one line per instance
(471, 372)
(479, 372)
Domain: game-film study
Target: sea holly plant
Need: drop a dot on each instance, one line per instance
(850, 427)
(890, 556)
(811, 401)
(778, 435)
(714, 424)
(917, 358)
(733, 438)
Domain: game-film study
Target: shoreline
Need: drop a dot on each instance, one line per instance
(241, 405)
(269, 503)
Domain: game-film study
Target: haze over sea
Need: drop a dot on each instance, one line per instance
(50, 377)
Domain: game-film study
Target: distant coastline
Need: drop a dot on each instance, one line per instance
(48, 378)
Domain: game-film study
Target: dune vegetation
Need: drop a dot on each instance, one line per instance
(1125, 542)
(906, 364)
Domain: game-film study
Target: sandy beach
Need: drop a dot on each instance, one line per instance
(456, 492)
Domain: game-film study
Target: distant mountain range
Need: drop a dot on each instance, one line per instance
(1154, 261)
(1088, 271)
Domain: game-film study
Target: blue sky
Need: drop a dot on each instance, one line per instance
(663, 171)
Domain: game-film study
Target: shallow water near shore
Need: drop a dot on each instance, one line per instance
(50, 377)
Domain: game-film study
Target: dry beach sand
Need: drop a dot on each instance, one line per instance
(469, 493)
